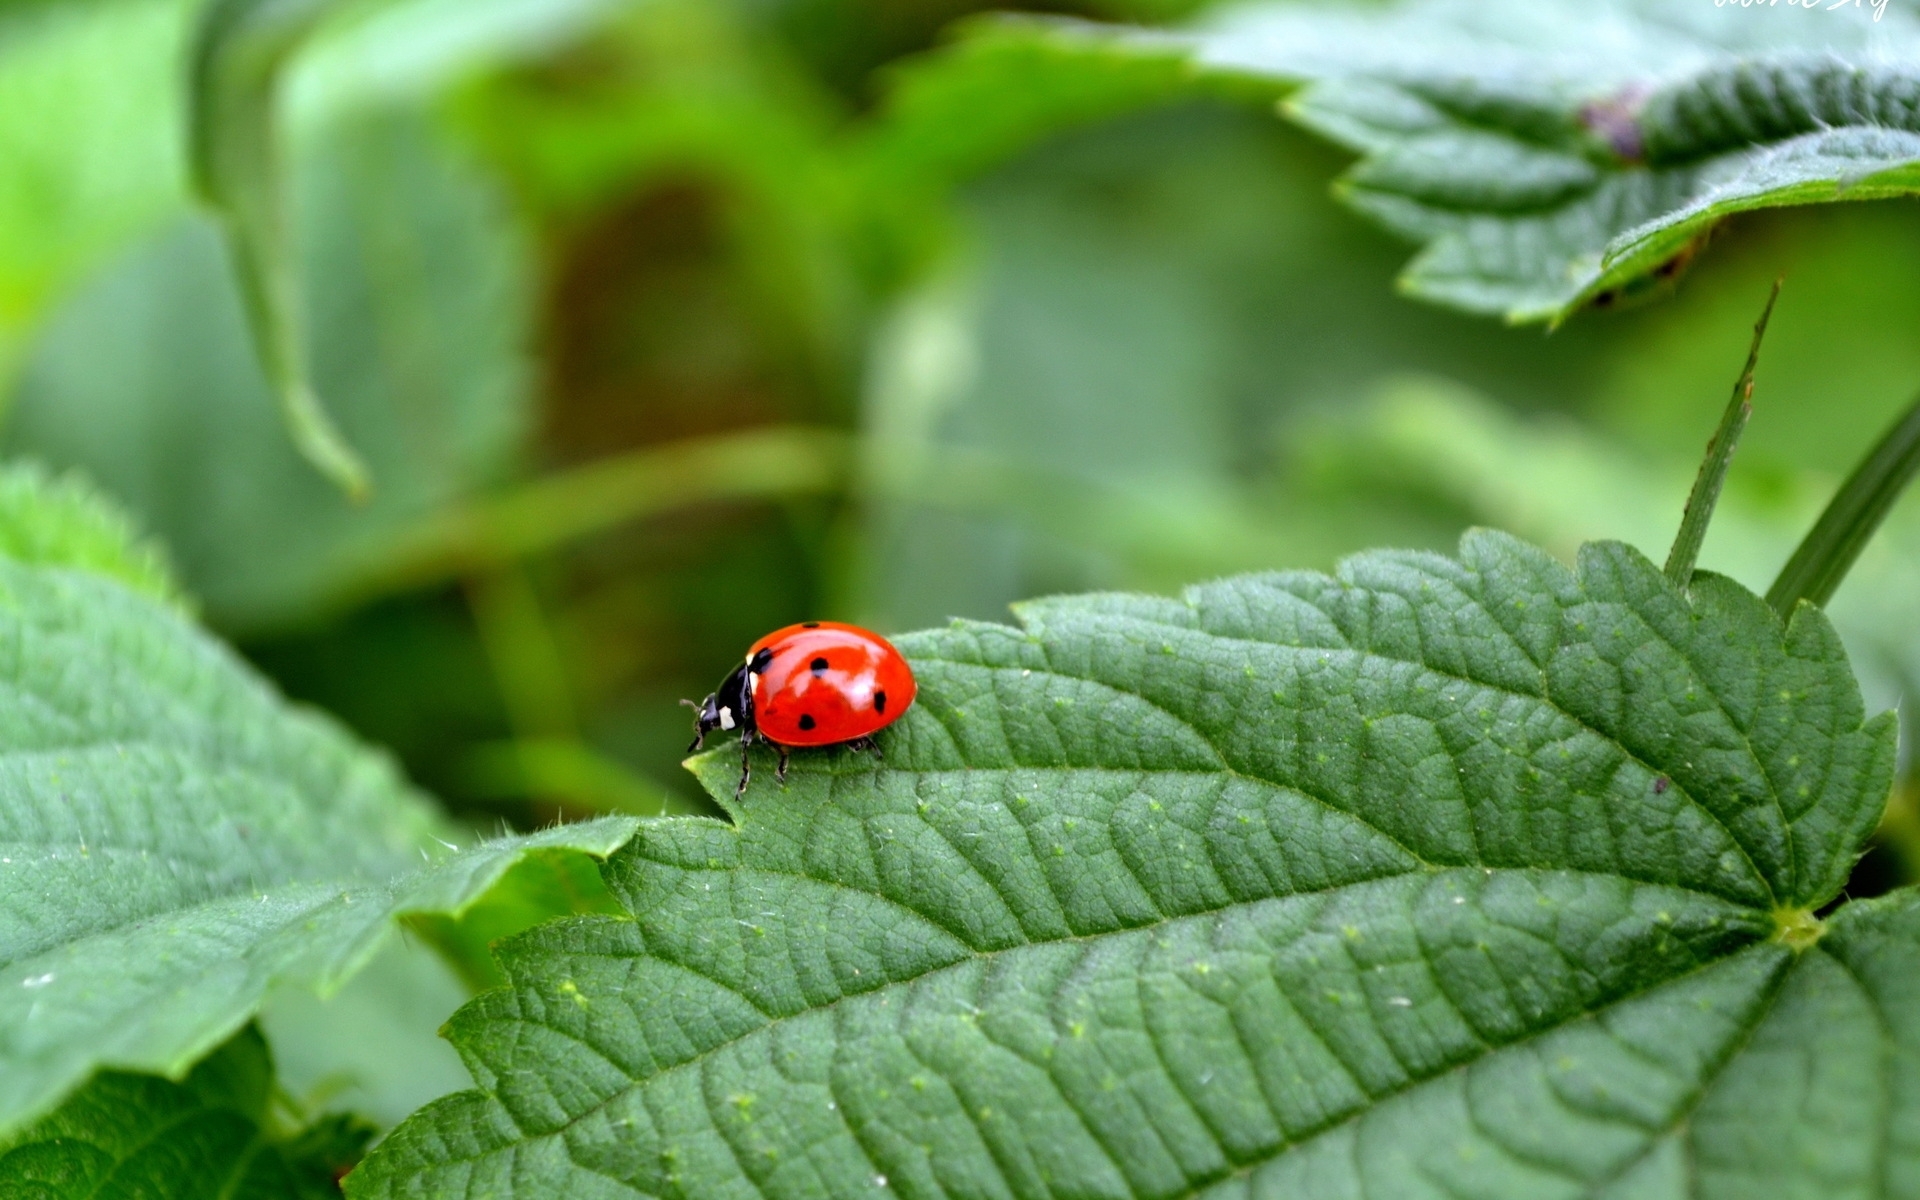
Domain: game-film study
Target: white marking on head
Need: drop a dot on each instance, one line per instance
(726, 717)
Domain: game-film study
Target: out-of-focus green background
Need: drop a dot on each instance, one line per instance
(662, 323)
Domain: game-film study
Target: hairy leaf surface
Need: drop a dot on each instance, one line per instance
(1547, 155)
(175, 839)
(1441, 877)
(64, 522)
(208, 1135)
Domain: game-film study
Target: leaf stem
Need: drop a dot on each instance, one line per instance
(1713, 468)
(1826, 554)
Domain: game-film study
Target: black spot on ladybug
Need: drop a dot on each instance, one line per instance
(809, 624)
(760, 662)
(880, 702)
(1660, 784)
(806, 720)
(818, 666)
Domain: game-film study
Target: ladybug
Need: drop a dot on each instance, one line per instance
(818, 683)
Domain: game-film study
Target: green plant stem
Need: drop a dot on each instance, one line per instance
(1172, 535)
(560, 509)
(1827, 553)
(1713, 468)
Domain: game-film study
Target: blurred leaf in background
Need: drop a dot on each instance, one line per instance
(417, 287)
(91, 140)
(662, 324)
(373, 1047)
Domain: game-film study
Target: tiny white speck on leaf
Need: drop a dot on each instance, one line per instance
(37, 981)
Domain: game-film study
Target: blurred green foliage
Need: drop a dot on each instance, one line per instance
(660, 324)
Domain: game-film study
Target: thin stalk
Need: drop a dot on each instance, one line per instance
(1827, 553)
(1713, 468)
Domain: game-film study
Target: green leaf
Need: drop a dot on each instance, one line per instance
(542, 886)
(1444, 876)
(260, 70)
(1547, 156)
(207, 1135)
(241, 50)
(373, 1047)
(65, 522)
(997, 91)
(419, 287)
(175, 840)
(89, 132)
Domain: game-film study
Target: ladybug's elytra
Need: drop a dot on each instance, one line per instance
(819, 683)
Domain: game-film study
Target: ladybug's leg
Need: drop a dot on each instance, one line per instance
(746, 762)
(867, 744)
(780, 772)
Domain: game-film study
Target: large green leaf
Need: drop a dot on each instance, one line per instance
(211, 1134)
(1547, 155)
(175, 840)
(1444, 876)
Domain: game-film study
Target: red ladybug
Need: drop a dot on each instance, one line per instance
(819, 683)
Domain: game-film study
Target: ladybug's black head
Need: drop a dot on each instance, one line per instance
(730, 707)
